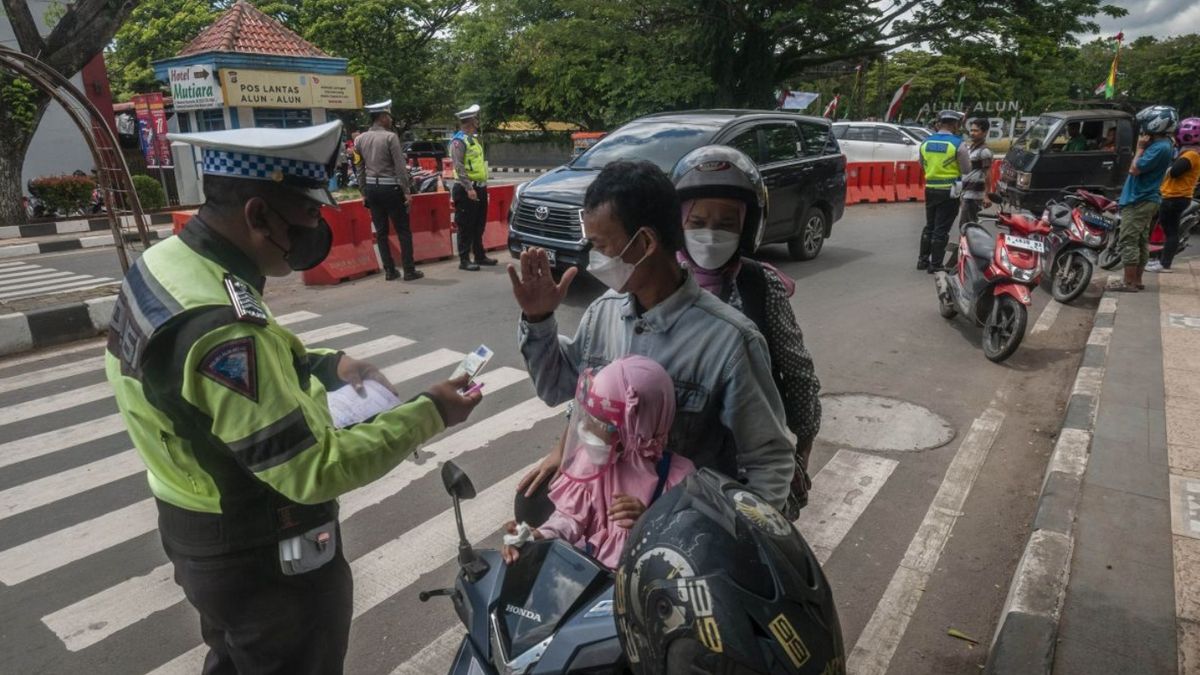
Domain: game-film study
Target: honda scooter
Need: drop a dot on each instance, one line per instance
(1189, 224)
(993, 278)
(1075, 240)
(551, 611)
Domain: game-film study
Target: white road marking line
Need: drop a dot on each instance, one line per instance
(337, 330)
(19, 412)
(97, 617)
(46, 355)
(73, 286)
(879, 640)
(35, 493)
(42, 283)
(295, 317)
(10, 265)
(378, 346)
(62, 547)
(1108, 305)
(1046, 319)
(1100, 336)
(840, 493)
(436, 656)
(421, 365)
(37, 377)
(36, 272)
(53, 441)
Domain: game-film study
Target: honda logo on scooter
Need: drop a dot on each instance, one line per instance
(523, 613)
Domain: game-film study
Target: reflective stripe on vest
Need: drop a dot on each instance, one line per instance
(939, 158)
(477, 168)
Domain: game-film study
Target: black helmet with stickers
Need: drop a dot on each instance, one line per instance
(719, 171)
(715, 580)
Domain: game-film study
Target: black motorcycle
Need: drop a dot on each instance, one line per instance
(551, 611)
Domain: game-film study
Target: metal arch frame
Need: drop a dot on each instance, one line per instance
(113, 172)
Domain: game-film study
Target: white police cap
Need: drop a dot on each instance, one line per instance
(381, 107)
(299, 159)
(467, 114)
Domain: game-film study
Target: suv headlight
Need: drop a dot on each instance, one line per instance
(1024, 179)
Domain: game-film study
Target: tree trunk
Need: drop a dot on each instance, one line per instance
(14, 143)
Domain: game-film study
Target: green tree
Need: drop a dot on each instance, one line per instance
(156, 29)
(82, 30)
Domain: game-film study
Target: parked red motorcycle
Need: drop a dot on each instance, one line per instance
(993, 278)
(1078, 235)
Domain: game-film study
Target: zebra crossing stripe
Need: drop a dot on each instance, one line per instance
(41, 284)
(843, 489)
(56, 440)
(73, 286)
(35, 493)
(20, 412)
(47, 355)
(39, 377)
(295, 317)
(29, 274)
(379, 346)
(10, 265)
(435, 656)
(337, 330)
(426, 363)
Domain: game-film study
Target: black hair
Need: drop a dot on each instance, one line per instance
(980, 123)
(640, 195)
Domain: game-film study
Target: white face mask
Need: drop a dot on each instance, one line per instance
(613, 272)
(596, 448)
(711, 249)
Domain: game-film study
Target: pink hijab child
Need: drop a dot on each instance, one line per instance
(613, 461)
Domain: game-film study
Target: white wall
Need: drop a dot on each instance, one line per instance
(58, 146)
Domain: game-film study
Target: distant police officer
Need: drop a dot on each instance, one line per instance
(228, 409)
(945, 159)
(470, 190)
(384, 181)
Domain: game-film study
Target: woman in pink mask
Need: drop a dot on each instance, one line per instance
(614, 464)
(724, 211)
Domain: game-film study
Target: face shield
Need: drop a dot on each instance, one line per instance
(592, 437)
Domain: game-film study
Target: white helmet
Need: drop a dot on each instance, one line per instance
(721, 171)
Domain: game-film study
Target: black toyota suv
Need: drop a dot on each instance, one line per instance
(803, 168)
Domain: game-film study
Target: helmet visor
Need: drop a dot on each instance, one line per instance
(592, 435)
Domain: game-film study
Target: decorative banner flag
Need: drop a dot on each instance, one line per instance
(893, 110)
(796, 100)
(831, 109)
(961, 80)
(1110, 85)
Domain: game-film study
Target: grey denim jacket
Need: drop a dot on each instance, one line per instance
(729, 415)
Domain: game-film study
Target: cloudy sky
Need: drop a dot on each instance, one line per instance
(1160, 18)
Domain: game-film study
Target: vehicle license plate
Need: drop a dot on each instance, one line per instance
(1027, 244)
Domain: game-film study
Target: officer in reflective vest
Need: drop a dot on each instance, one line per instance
(470, 190)
(945, 159)
(228, 409)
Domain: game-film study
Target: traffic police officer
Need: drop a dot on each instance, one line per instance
(386, 192)
(470, 190)
(228, 409)
(945, 159)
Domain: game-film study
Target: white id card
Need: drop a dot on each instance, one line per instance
(473, 363)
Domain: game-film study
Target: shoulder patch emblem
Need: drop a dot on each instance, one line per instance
(232, 364)
(247, 307)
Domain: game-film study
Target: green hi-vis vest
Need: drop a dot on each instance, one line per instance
(228, 409)
(939, 158)
(477, 168)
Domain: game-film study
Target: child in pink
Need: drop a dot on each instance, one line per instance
(613, 459)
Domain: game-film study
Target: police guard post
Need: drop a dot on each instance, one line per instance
(228, 409)
(385, 188)
(470, 190)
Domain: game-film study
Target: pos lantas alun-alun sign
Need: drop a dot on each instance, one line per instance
(195, 87)
(279, 89)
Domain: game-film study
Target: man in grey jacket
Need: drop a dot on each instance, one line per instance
(729, 414)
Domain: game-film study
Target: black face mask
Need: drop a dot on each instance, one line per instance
(310, 245)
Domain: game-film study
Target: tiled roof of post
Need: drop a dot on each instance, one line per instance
(244, 29)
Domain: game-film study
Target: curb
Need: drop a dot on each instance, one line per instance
(49, 326)
(1027, 633)
(92, 241)
(80, 225)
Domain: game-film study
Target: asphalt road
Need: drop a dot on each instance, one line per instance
(916, 542)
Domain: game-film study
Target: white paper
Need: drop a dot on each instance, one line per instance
(347, 407)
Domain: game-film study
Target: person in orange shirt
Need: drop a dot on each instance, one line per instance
(1177, 189)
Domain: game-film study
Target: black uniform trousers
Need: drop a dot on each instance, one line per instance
(470, 216)
(258, 621)
(940, 211)
(386, 202)
(1169, 215)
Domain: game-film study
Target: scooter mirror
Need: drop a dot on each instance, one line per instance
(456, 481)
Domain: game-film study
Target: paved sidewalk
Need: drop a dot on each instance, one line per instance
(1133, 598)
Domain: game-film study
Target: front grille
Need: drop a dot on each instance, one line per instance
(561, 222)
